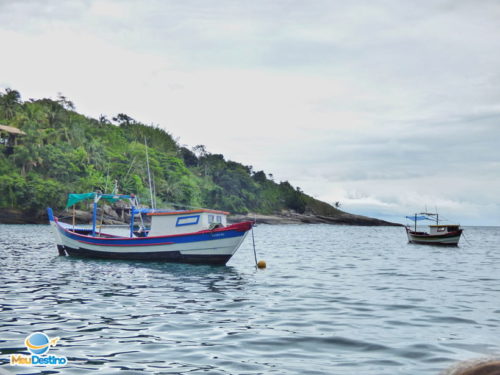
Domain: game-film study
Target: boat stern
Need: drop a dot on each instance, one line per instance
(56, 232)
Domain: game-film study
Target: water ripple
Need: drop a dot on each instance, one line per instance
(337, 300)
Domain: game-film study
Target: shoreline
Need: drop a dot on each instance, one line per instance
(294, 218)
(14, 216)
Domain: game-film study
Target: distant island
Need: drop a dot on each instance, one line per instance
(48, 150)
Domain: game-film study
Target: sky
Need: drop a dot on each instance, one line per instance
(389, 107)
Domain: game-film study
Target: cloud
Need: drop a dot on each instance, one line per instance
(382, 105)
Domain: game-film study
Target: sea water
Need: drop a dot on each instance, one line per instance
(332, 300)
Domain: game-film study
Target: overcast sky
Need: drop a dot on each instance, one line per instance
(386, 106)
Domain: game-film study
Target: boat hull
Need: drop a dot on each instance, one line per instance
(204, 247)
(157, 256)
(422, 238)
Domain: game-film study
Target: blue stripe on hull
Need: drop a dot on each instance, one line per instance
(150, 241)
(158, 256)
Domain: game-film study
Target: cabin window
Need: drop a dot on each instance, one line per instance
(187, 220)
(441, 229)
(214, 219)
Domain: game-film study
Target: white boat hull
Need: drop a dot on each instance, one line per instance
(422, 238)
(207, 247)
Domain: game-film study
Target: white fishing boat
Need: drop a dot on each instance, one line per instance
(438, 234)
(188, 236)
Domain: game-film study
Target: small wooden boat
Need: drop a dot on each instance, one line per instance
(446, 235)
(188, 236)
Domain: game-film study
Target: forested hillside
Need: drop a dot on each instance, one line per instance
(64, 152)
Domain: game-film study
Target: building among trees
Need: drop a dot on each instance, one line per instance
(8, 138)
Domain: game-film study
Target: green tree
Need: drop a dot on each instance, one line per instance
(9, 103)
(64, 151)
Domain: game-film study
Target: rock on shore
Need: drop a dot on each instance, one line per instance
(342, 218)
(15, 216)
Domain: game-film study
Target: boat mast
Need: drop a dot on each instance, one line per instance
(149, 175)
(132, 220)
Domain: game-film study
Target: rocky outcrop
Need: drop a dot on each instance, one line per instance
(111, 217)
(15, 216)
(105, 214)
(341, 218)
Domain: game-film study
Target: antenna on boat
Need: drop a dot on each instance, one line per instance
(149, 175)
(154, 190)
(107, 180)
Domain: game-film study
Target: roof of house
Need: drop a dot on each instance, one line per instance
(11, 130)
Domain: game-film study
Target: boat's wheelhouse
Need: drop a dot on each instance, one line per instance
(443, 229)
(177, 222)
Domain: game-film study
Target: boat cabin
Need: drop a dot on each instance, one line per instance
(177, 222)
(442, 229)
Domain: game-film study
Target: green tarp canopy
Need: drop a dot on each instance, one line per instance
(75, 198)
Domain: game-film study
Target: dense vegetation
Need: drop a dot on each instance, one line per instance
(64, 151)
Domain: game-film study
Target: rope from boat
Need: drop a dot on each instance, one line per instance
(466, 240)
(254, 252)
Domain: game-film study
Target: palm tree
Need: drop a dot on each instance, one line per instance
(9, 103)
